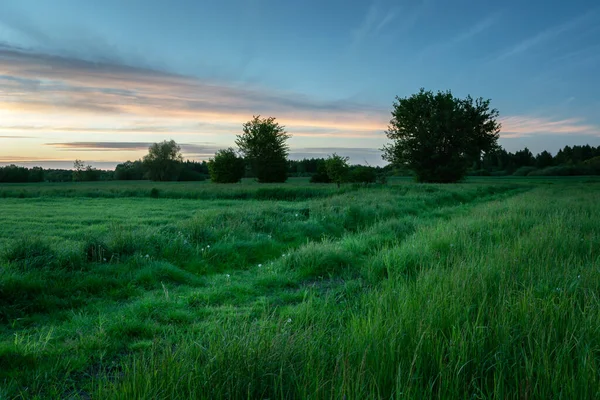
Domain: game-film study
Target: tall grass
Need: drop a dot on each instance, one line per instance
(501, 302)
(409, 291)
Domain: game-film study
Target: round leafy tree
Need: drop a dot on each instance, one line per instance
(438, 136)
(337, 168)
(163, 161)
(263, 144)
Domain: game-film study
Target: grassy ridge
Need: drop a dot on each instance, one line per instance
(391, 292)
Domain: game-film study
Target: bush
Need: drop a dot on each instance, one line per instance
(226, 167)
(363, 174)
(321, 175)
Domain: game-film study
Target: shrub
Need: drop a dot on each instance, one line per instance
(363, 174)
(226, 167)
(321, 175)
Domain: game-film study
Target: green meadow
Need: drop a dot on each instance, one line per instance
(142, 290)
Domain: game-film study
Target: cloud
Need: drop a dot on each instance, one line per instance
(546, 35)
(524, 126)
(187, 148)
(479, 27)
(43, 84)
(445, 45)
(374, 21)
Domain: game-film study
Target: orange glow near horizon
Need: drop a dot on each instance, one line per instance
(50, 101)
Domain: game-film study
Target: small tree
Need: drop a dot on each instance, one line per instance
(226, 167)
(163, 161)
(78, 170)
(438, 135)
(263, 145)
(337, 168)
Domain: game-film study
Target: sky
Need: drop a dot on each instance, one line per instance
(102, 80)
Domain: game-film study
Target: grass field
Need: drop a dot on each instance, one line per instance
(140, 290)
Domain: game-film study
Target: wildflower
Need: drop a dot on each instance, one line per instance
(104, 259)
(289, 320)
(578, 276)
(296, 215)
(259, 265)
(451, 244)
(227, 276)
(283, 255)
(208, 246)
(147, 255)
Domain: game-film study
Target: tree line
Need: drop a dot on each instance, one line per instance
(435, 137)
(570, 160)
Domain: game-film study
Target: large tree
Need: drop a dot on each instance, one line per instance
(163, 161)
(438, 136)
(226, 167)
(263, 144)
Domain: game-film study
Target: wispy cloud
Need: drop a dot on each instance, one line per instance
(461, 37)
(546, 35)
(47, 85)
(187, 148)
(524, 126)
(373, 23)
(479, 27)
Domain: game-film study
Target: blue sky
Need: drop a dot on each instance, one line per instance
(98, 81)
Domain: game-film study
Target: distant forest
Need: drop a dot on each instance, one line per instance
(569, 161)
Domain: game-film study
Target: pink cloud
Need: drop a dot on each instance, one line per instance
(523, 126)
